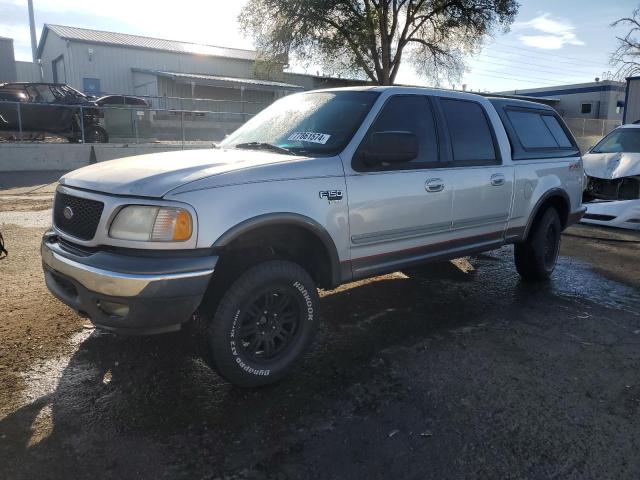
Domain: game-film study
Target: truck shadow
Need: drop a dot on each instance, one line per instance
(132, 404)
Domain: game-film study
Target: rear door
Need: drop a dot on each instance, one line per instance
(398, 211)
(483, 183)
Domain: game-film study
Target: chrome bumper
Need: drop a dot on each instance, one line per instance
(157, 293)
(110, 283)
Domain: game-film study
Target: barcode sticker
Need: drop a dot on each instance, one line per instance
(310, 137)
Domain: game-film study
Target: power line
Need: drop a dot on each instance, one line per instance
(551, 81)
(529, 63)
(522, 81)
(555, 56)
(538, 70)
(506, 76)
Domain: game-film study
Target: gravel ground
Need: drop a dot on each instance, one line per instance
(457, 371)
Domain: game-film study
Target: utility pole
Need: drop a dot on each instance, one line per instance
(32, 26)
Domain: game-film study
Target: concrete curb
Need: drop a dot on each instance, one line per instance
(16, 157)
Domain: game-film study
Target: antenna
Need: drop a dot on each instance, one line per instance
(32, 27)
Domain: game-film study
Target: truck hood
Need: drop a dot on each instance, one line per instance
(611, 165)
(156, 174)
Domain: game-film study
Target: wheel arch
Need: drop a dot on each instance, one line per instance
(556, 198)
(289, 222)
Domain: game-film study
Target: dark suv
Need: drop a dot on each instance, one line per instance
(51, 108)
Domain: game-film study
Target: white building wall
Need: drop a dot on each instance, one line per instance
(53, 48)
(633, 100)
(27, 72)
(604, 99)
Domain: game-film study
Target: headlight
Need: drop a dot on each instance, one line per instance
(152, 224)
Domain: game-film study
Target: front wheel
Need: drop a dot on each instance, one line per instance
(536, 257)
(95, 134)
(263, 323)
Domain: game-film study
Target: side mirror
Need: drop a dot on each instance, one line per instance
(389, 148)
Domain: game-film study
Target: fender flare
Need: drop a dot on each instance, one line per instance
(554, 192)
(287, 218)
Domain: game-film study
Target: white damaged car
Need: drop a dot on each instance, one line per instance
(612, 170)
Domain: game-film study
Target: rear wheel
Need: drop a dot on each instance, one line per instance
(95, 134)
(263, 323)
(536, 257)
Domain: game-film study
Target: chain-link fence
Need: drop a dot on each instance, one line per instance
(589, 131)
(591, 127)
(165, 119)
(121, 123)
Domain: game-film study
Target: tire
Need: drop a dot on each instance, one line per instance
(243, 349)
(95, 134)
(536, 257)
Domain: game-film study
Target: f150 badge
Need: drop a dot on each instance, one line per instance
(331, 195)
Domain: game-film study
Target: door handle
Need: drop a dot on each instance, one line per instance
(434, 185)
(497, 179)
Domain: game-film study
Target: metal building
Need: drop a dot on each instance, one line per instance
(7, 61)
(632, 100)
(98, 62)
(602, 100)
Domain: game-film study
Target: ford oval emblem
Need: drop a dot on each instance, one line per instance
(67, 212)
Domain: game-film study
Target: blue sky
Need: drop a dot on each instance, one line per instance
(552, 42)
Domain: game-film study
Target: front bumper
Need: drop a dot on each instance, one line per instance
(618, 213)
(125, 293)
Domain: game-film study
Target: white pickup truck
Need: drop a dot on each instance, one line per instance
(319, 189)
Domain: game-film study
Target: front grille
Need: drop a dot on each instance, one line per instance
(599, 217)
(616, 189)
(84, 215)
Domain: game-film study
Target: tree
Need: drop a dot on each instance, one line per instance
(371, 38)
(627, 56)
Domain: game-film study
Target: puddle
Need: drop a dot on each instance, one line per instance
(574, 278)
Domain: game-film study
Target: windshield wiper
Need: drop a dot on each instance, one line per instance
(264, 146)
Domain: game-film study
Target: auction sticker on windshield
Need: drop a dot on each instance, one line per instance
(310, 137)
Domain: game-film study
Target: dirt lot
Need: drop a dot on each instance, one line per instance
(462, 371)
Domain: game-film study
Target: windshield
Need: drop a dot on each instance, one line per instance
(315, 123)
(620, 140)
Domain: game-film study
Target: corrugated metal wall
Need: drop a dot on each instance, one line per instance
(7, 61)
(27, 72)
(112, 65)
(632, 106)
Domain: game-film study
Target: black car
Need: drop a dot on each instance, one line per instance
(126, 100)
(49, 108)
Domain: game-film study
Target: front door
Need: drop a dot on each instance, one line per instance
(397, 211)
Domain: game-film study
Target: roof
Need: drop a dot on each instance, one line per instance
(521, 97)
(601, 86)
(518, 102)
(216, 80)
(137, 41)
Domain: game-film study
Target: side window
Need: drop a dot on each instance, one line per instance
(471, 138)
(585, 108)
(538, 130)
(411, 114)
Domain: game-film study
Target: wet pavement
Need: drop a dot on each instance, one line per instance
(457, 371)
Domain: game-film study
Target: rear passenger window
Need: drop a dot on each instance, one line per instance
(538, 130)
(556, 130)
(471, 137)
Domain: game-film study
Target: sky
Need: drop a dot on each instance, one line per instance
(552, 42)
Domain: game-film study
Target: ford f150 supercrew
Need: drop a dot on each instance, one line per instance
(319, 189)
